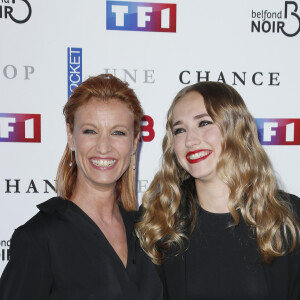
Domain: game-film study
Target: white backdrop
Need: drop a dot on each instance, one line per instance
(214, 40)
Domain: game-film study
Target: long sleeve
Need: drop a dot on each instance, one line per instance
(294, 275)
(27, 275)
(294, 260)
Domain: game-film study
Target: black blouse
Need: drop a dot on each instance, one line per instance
(61, 254)
(222, 262)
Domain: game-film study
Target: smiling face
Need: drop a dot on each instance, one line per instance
(103, 141)
(197, 140)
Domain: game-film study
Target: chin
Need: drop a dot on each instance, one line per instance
(203, 175)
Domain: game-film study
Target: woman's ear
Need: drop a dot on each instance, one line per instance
(70, 138)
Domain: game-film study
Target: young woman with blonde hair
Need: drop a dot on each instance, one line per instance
(214, 216)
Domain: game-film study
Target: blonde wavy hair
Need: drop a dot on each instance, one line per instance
(104, 87)
(169, 205)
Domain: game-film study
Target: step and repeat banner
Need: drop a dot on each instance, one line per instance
(48, 47)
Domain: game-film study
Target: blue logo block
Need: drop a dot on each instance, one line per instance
(74, 69)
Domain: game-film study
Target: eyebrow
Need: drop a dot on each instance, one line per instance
(195, 118)
(115, 126)
(87, 124)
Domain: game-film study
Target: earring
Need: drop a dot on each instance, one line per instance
(71, 163)
(133, 165)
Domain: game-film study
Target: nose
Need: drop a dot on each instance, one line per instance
(192, 138)
(103, 144)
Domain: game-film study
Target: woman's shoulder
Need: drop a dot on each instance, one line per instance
(49, 212)
(293, 200)
(296, 203)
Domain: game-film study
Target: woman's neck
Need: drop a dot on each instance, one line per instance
(213, 195)
(97, 203)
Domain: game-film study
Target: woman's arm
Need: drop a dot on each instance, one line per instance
(27, 274)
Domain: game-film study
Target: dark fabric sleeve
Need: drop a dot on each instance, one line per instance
(294, 259)
(161, 272)
(27, 274)
(294, 275)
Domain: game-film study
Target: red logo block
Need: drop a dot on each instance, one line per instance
(20, 128)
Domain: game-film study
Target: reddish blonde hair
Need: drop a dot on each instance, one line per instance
(104, 87)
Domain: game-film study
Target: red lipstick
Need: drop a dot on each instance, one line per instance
(193, 161)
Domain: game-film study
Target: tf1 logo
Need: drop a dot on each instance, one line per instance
(140, 16)
(278, 131)
(25, 128)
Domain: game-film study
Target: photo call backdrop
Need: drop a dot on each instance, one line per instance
(48, 47)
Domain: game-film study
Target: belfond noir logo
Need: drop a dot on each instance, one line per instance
(286, 21)
(19, 11)
(4, 250)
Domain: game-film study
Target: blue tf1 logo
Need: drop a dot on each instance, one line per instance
(140, 16)
(74, 69)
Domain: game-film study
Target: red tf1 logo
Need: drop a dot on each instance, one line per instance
(278, 131)
(22, 128)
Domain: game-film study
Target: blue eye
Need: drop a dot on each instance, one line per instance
(118, 132)
(89, 131)
(204, 123)
(178, 130)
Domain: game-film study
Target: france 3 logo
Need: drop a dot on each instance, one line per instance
(22, 128)
(140, 16)
(278, 131)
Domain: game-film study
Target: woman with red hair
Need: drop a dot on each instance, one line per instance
(81, 245)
